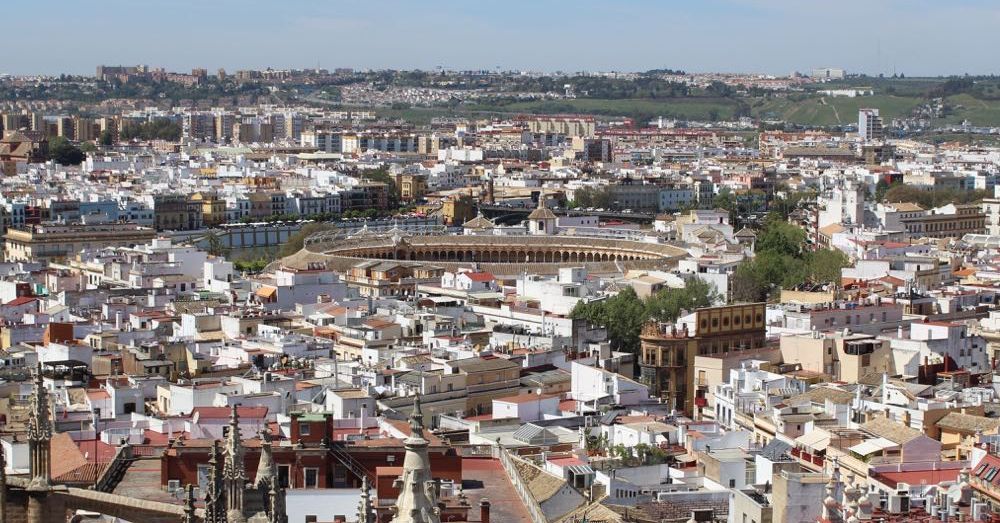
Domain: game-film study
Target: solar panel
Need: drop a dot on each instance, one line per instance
(981, 468)
(991, 473)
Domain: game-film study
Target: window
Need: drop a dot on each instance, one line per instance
(311, 476)
(284, 472)
(304, 429)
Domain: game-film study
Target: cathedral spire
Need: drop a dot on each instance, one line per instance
(234, 473)
(189, 513)
(417, 502)
(215, 495)
(366, 513)
(276, 504)
(266, 481)
(39, 434)
(266, 469)
(3, 485)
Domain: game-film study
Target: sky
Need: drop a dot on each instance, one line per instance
(914, 37)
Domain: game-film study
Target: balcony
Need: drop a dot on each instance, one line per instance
(808, 459)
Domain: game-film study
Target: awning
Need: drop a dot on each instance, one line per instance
(872, 446)
(816, 440)
(266, 292)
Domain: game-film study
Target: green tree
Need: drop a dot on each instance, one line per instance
(598, 197)
(624, 313)
(158, 129)
(780, 237)
(748, 285)
(253, 266)
(65, 153)
(215, 245)
(781, 262)
(88, 147)
(107, 138)
(667, 305)
(825, 265)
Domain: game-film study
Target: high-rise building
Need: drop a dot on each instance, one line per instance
(224, 126)
(65, 127)
(869, 125)
(200, 126)
(37, 121)
(84, 129)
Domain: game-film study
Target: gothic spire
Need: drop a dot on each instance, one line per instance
(266, 480)
(39, 433)
(366, 513)
(266, 470)
(189, 514)
(417, 502)
(234, 467)
(215, 495)
(3, 485)
(417, 420)
(276, 504)
(234, 473)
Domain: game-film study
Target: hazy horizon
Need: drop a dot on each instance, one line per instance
(915, 37)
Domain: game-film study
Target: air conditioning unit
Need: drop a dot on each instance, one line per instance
(899, 504)
(173, 486)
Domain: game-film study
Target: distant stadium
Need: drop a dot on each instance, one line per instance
(503, 255)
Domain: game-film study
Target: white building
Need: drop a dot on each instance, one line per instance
(526, 407)
(559, 295)
(596, 386)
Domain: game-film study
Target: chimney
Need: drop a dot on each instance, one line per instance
(484, 510)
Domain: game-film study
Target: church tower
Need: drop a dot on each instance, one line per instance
(542, 221)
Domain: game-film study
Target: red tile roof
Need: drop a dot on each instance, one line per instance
(98, 394)
(480, 277)
(917, 477)
(21, 301)
(567, 462)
